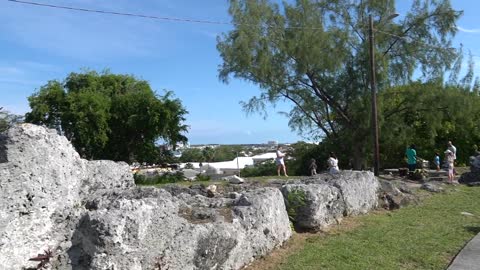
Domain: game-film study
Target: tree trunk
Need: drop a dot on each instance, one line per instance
(358, 157)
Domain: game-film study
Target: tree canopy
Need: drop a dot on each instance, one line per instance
(314, 54)
(109, 116)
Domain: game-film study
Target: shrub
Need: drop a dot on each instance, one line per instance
(141, 179)
(202, 178)
(189, 166)
(265, 168)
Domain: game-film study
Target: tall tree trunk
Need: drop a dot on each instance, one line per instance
(358, 157)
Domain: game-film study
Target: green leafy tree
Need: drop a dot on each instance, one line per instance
(192, 155)
(428, 115)
(208, 154)
(314, 54)
(226, 152)
(109, 116)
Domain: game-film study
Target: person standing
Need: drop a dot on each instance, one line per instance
(451, 167)
(333, 164)
(280, 162)
(436, 161)
(452, 149)
(411, 154)
(313, 167)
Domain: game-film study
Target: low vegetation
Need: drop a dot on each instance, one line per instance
(426, 236)
(141, 179)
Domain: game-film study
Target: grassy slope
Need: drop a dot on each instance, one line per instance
(419, 237)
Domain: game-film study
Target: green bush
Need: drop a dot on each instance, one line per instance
(141, 179)
(202, 178)
(266, 168)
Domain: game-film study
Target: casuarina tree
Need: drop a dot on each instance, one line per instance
(314, 54)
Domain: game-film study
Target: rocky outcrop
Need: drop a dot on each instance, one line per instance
(42, 179)
(317, 202)
(432, 187)
(313, 206)
(90, 215)
(148, 227)
(395, 194)
(474, 175)
(359, 191)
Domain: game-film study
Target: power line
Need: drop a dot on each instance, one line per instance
(120, 13)
(192, 20)
(152, 16)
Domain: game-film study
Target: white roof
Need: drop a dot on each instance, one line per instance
(242, 162)
(271, 155)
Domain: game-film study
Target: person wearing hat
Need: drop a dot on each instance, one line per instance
(450, 159)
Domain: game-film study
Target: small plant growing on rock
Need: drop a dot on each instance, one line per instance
(43, 259)
(202, 177)
(419, 175)
(295, 200)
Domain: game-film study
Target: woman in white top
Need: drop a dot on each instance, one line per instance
(333, 164)
(280, 162)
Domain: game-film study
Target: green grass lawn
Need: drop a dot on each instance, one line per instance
(426, 236)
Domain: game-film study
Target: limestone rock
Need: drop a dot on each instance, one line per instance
(142, 228)
(474, 174)
(42, 181)
(313, 206)
(92, 217)
(235, 179)
(391, 197)
(432, 187)
(359, 191)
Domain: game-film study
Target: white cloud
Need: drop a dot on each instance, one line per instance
(461, 29)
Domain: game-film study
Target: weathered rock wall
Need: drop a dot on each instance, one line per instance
(92, 217)
(320, 201)
(42, 179)
(142, 228)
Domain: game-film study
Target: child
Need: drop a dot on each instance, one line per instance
(449, 158)
(313, 167)
(436, 161)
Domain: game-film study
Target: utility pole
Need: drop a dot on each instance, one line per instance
(373, 87)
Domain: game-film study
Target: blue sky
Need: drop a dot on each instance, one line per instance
(39, 44)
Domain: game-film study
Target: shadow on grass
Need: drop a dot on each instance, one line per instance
(472, 229)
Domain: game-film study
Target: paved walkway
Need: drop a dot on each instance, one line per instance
(469, 256)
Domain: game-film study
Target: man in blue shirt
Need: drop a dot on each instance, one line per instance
(411, 154)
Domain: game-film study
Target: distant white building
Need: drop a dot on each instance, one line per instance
(263, 157)
(230, 167)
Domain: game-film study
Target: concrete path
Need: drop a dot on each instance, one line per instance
(469, 256)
